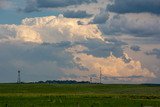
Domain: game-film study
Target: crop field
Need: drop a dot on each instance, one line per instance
(79, 95)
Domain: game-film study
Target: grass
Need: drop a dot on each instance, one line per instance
(79, 95)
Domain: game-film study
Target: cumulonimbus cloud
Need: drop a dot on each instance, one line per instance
(61, 46)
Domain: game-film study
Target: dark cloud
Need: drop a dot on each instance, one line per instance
(38, 62)
(140, 25)
(135, 48)
(135, 6)
(38, 53)
(76, 14)
(36, 5)
(41, 61)
(31, 6)
(99, 48)
(62, 3)
(155, 52)
(126, 59)
(100, 18)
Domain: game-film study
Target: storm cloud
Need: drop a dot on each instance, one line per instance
(135, 48)
(100, 18)
(140, 25)
(53, 47)
(76, 14)
(155, 52)
(135, 6)
(62, 3)
(36, 5)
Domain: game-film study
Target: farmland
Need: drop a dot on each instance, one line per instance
(79, 95)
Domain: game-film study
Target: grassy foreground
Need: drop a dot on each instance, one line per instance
(79, 95)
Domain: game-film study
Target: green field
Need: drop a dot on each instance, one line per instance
(79, 95)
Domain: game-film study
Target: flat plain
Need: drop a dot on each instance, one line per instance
(79, 95)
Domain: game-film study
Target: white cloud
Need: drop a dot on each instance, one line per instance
(20, 33)
(111, 66)
(51, 29)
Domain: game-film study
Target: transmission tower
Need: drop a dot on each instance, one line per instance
(19, 77)
(100, 76)
(90, 80)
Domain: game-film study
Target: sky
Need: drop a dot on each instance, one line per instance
(73, 39)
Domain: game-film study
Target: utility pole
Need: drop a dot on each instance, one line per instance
(19, 77)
